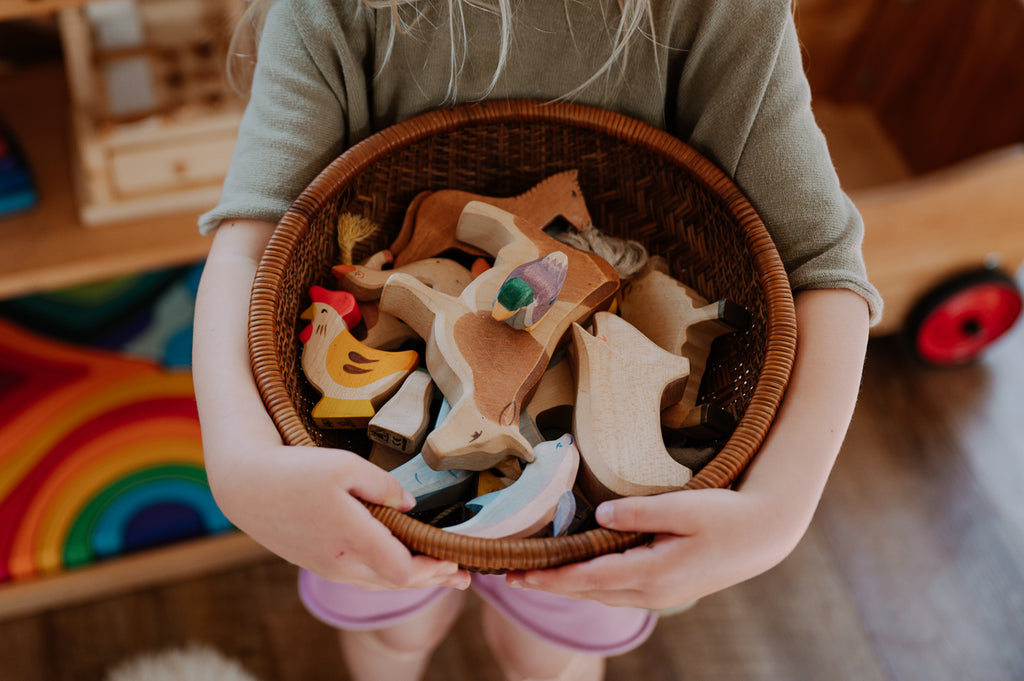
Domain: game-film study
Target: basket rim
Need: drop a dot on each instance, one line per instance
(722, 471)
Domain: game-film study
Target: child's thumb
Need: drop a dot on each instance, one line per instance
(377, 486)
(661, 513)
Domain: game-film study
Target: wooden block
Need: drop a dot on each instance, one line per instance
(353, 378)
(429, 227)
(365, 283)
(403, 421)
(528, 505)
(622, 380)
(679, 320)
(484, 367)
(491, 481)
(530, 290)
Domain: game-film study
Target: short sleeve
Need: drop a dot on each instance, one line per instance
(293, 126)
(744, 101)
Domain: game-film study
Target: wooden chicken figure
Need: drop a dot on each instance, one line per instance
(429, 226)
(485, 368)
(354, 379)
(527, 505)
(530, 290)
(622, 382)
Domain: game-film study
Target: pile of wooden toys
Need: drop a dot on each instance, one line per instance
(557, 377)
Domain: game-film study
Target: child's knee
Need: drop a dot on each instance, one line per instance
(419, 633)
(522, 656)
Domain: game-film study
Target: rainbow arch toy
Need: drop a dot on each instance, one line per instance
(99, 455)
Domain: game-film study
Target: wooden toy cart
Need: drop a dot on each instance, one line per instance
(922, 103)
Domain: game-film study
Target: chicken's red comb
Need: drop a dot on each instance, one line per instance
(342, 301)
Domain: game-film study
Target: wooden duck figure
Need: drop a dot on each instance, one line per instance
(353, 378)
(530, 290)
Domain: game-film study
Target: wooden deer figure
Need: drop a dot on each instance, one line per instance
(622, 382)
(483, 366)
(429, 226)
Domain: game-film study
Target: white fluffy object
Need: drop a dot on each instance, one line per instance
(194, 663)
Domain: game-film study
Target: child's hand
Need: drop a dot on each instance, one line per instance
(705, 541)
(303, 503)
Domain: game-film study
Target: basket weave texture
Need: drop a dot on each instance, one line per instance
(639, 183)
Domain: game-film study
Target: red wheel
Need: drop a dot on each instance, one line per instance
(954, 323)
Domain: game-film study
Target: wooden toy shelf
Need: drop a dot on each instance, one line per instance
(48, 247)
(18, 9)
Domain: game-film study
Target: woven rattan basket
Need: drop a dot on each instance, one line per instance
(639, 182)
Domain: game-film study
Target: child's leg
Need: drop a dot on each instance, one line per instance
(400, 652)
(525, 657)
(538, 635)
(385, 635)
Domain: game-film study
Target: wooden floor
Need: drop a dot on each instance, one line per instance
(913, 570)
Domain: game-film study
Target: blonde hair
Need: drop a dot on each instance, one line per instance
(633, 13)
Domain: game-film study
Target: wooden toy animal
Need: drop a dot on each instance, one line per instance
(433, 488)
(551, 403)
(527, 505)
(429, 226)
(484, 367)
(365, 282)
(353, 378)
(622, 381)
(403, 421)
(381, 330)
(681, 321)
(530, 290)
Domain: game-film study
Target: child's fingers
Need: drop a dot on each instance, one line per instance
(678, 513)
(372, 544)
(377, 486)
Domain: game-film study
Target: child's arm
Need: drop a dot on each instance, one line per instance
(302, 503)
(710, 539)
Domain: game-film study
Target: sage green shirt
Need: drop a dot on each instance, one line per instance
(725, 76)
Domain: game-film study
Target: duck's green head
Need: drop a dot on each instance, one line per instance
(514, 295)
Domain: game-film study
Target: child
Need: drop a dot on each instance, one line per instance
(723, 75)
